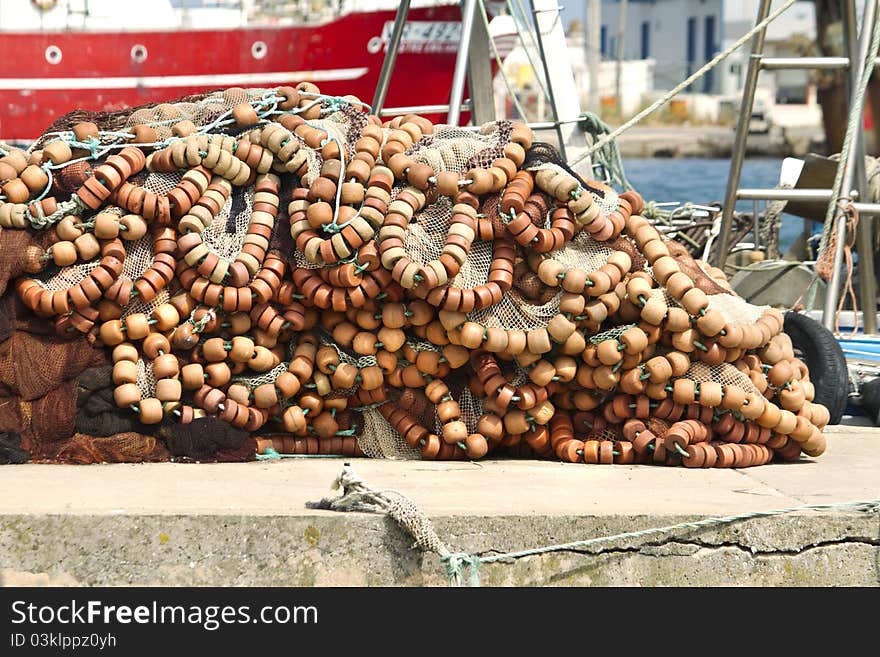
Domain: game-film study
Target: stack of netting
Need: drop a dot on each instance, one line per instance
(279, 272)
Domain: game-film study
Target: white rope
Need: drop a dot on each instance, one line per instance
(653, 107)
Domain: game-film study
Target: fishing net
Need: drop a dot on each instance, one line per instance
(330, 283)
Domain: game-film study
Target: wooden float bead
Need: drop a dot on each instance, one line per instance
(664, 267)
(239, 392)
(515, 153)
(683, 391)
(165, 366)
(16, 192)
(637, 286)
(734, 397)
(770, 416)
(695, 301)
(265, 395)
(448, 410)
(261, 360)
(87, 247)
(34, 178)
(711, 394)
(792, 399)
(125, 352)
(559, 328)
(472, 335)
(711, 323)
(538, 341)
(634, 341)
(371, 377)
(192, 376)
(454, 432)
(111, 333)
(168, 390)
(56, 152)
(476, 446)
(566, 368)
(605, 378)
(608, 352)
(677, 320)
(217, 374)
(780, 374)
(815, 445)
(288, 385)
(432, 446)
(150, 410)
(293, 419)
(786, 422)
(125, 371)
(491, 426)
(655, 249)
(126, 395)
(214, 350)
(678, 285)
(515, 422)
(542, 373)
(64, 253)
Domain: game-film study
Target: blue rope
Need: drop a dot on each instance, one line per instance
(271, 455)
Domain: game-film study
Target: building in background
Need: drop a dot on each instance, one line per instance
(679, 36)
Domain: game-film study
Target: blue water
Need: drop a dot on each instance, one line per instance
(704, 181)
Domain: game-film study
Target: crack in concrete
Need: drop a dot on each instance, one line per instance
(640, 549)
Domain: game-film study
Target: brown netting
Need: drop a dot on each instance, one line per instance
(131, 447)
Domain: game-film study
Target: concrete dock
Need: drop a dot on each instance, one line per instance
(247, 524)
(716, 142)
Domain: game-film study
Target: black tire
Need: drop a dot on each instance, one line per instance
(870, 396)
(819, 349)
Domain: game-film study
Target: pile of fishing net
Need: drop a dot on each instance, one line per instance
(278, 272)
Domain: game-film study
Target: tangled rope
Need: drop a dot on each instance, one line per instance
(607, 157)
(825, 263)
(357, 495)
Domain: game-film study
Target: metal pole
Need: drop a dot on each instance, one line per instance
(546, 66)
(865, 229)
(479, 74)
(742, 131)
(468, 8)
(618, 67)
(593, 28)
(848, 180)
(390, 56)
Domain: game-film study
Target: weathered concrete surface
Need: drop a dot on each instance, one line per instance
(245, 524)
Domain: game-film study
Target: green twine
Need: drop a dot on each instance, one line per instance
(606, 161)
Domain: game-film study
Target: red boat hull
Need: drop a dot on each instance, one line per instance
(44, 75)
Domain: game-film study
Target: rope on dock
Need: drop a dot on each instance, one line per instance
(357, 495)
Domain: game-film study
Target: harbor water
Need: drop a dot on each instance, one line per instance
(702, 181)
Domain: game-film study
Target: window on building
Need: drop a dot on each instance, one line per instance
(603, 40)
(791, 87)
(646, 40)
(691, 44)
(709, 52)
